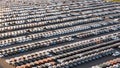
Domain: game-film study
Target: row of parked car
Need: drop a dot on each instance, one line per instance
(109, 64)
(59, 36)
(59, 53)
(62, 31)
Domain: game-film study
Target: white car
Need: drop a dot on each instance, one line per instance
(116, 53)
